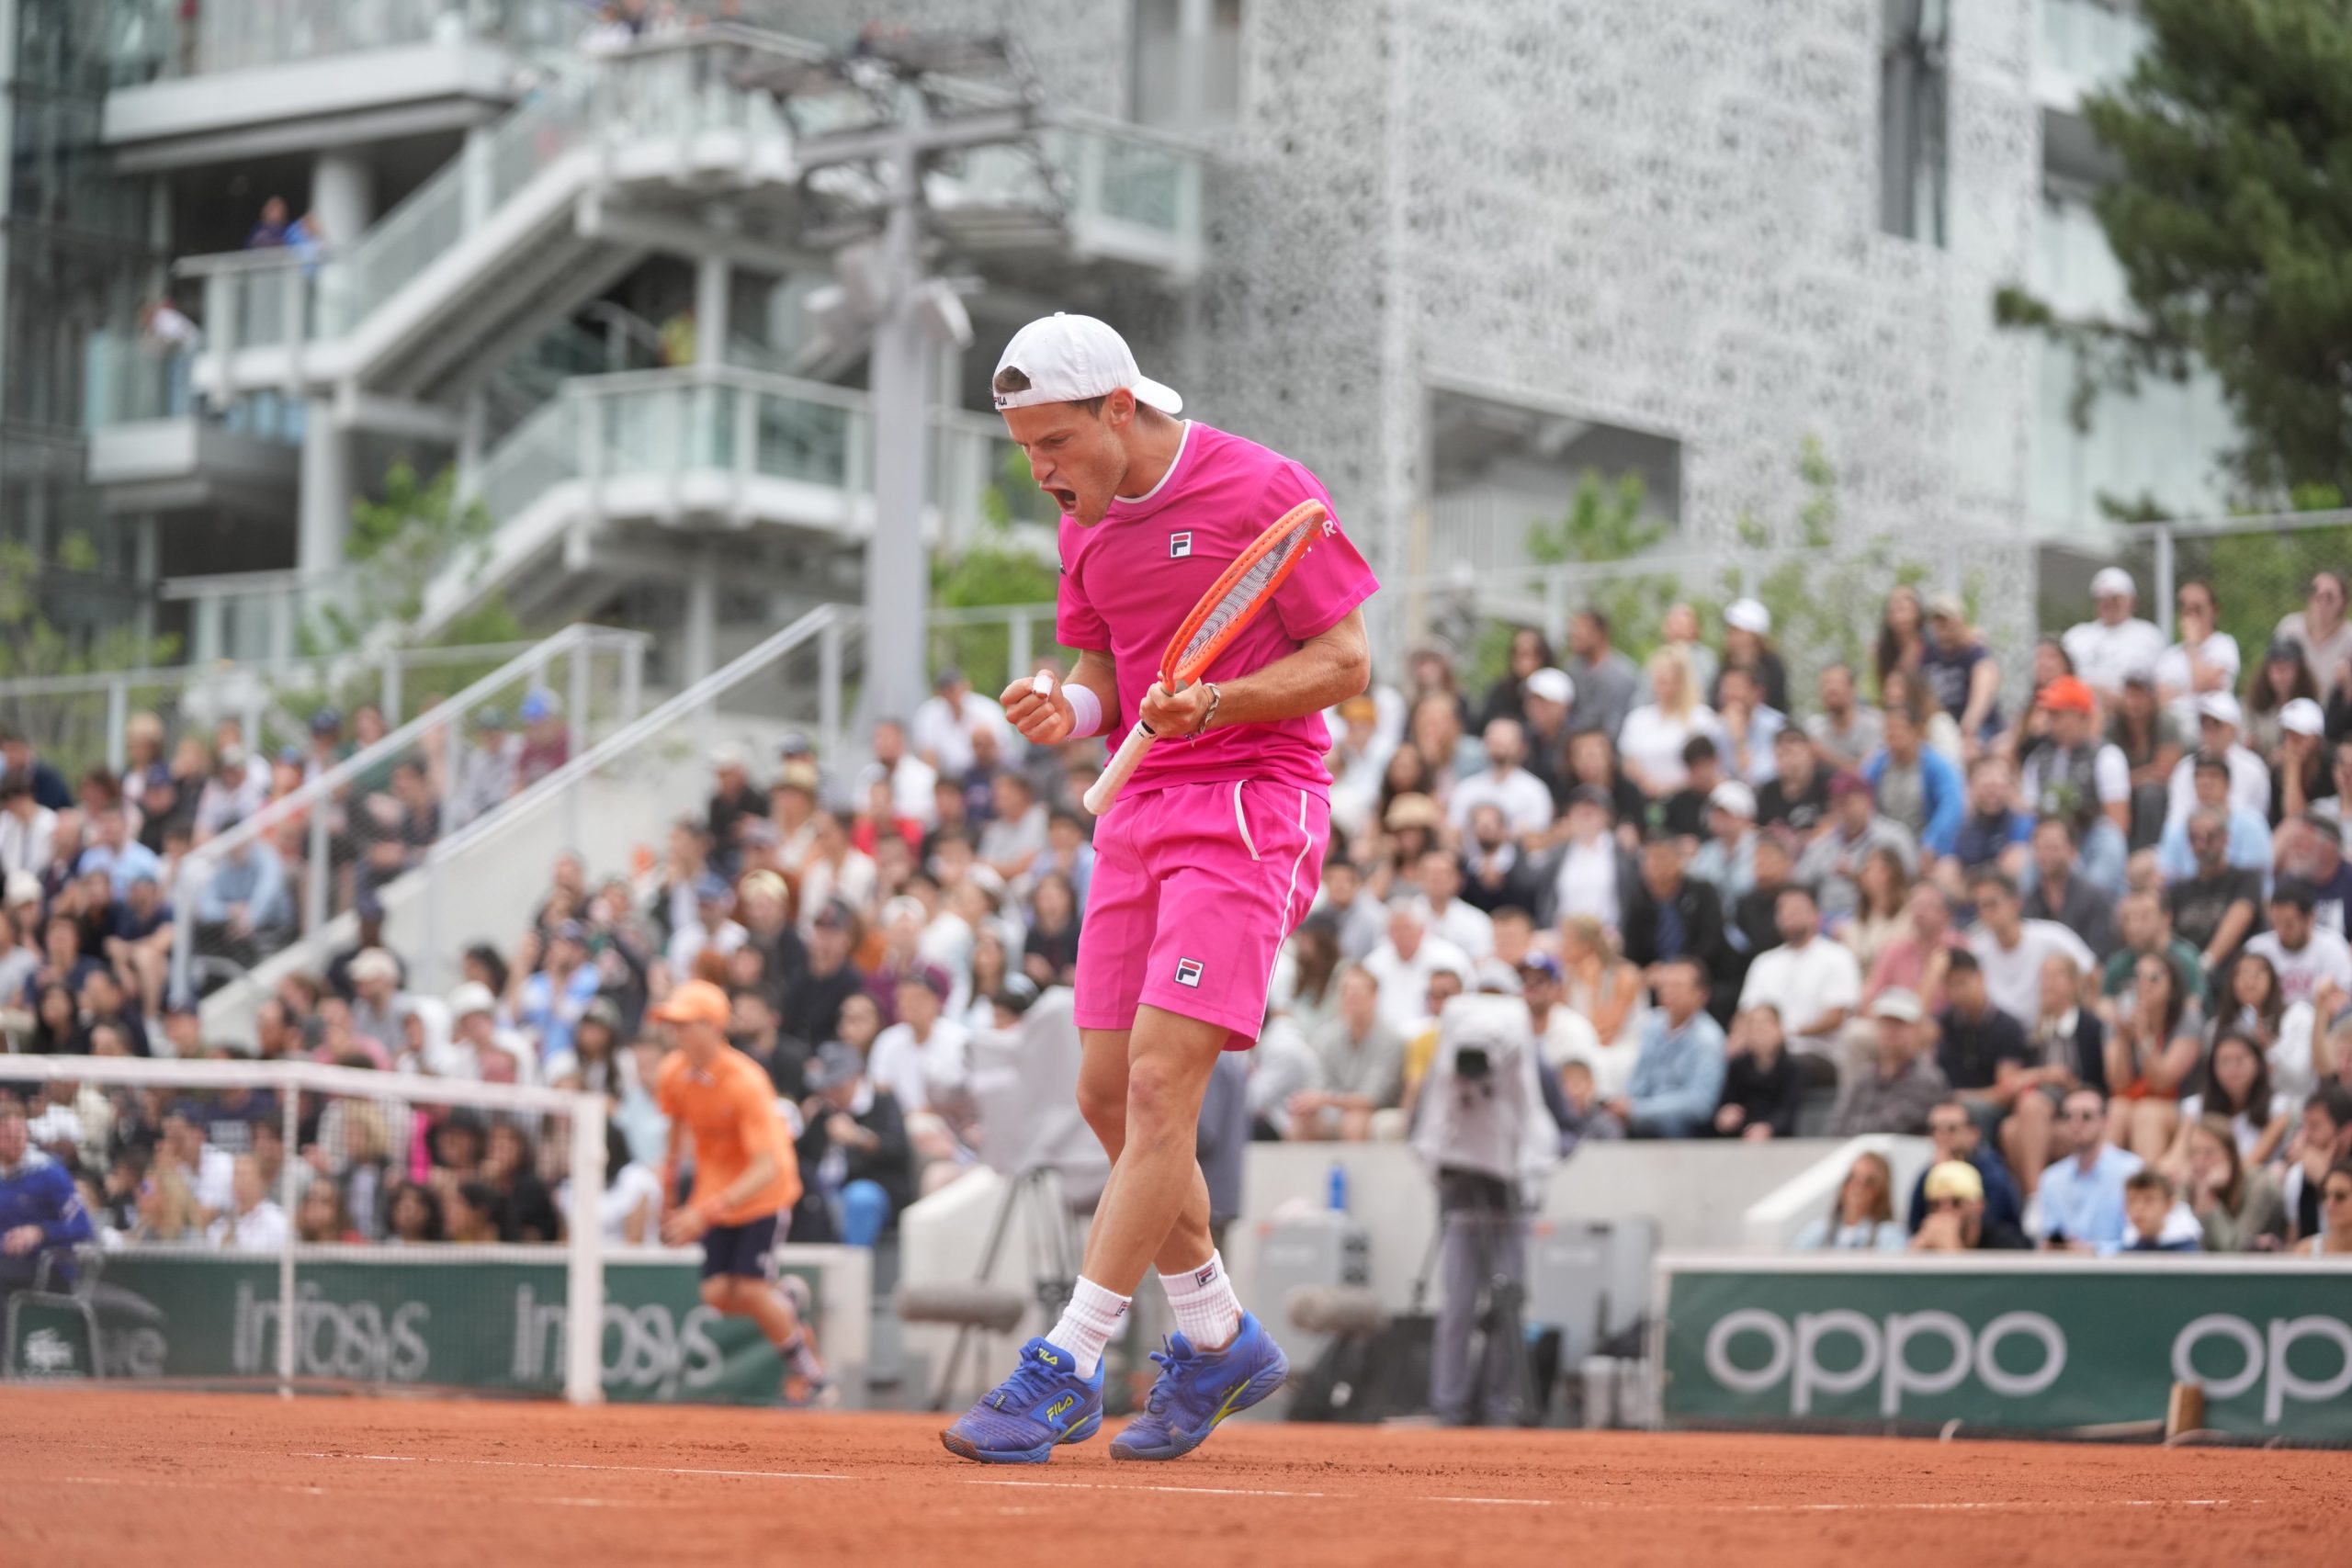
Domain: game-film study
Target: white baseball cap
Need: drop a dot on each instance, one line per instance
(1747, 616)
(2111, 581)
(1733, 797)
(471, 998)
(2220, 707)
(1896, 1003)
(1553, 686)
(2303, 717)
(1070, 359)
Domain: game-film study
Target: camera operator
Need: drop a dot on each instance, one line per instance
(1485, 1132)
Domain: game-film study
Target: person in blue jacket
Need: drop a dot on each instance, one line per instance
(1915, 785)
(39, 1211)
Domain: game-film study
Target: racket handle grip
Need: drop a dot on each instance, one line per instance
(1124, 762)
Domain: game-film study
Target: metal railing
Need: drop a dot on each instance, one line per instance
(645, 772)
(748, 423)
(163, 39)
(81, 721)
(331, 822)
(1137, 191)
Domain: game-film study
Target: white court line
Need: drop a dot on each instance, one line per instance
(560, 1464)
(1603, 1505)
(1580, 1504)
(1138, 1486)
(148, 1482)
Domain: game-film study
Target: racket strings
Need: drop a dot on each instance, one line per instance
(1242, 594)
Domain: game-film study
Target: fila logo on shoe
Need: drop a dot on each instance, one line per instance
(1180, 545)
(1188, 973)
(1054, 1412)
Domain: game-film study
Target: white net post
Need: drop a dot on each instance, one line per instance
(290, 1198)
(584, 1262)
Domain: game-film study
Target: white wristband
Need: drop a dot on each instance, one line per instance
(1085, 711)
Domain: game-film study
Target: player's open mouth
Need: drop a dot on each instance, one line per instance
(1064, 499)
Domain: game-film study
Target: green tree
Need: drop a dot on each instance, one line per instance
(2232, 221)
(1825, 590)
(995, 568)
(396, 545)
(70, 727)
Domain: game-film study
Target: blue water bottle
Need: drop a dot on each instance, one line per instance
(1337, 1189)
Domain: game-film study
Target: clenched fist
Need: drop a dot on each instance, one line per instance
(1043, 717)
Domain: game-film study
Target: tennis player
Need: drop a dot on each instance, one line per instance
(747, 1179)
(1204, 865)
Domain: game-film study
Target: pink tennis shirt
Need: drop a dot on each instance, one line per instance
(1128, 582)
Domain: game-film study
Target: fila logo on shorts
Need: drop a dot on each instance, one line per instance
(1179, 545)
(1188, 973)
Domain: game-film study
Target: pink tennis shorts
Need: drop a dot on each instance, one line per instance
(1195, 887)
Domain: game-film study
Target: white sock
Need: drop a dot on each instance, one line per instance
(1088, 1322)
(1207, 1311)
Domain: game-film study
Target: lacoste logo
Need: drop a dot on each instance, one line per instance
(1179, 545)
(1188, 973)
(47, 1351)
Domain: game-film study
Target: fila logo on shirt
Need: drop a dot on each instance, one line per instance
(1188, 973)
(1180, 545)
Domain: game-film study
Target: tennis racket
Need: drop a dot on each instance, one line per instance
(1232, 602)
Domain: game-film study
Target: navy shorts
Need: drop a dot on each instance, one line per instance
(746, 1251)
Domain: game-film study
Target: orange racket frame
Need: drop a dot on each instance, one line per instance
(1179, 667)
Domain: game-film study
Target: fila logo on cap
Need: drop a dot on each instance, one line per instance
(1188, 973)
(1179, 545)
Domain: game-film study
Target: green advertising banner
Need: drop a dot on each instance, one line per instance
(2033, 1343)
(495, 1324)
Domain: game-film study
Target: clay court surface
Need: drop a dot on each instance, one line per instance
(194, 1479)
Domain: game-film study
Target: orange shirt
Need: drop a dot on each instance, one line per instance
(731, 1113)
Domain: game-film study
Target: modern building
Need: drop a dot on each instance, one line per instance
(1451, 255)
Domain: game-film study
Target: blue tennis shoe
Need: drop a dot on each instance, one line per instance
(1197, 1389)
(1043, 1403)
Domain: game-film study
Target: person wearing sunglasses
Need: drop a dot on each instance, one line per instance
(1956, 1220)
(2079, 1207)
(2335, 1237)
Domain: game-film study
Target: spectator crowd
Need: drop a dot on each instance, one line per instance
(2091, 944)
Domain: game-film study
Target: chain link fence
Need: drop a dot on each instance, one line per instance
(1826, 604)
(2259, 570)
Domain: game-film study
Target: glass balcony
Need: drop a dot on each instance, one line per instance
(128, 380)
(2162, 442)
(2092, 44)
(746, 424)
(153, 40)
(132, 380)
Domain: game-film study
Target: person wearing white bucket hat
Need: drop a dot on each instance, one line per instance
(2115, 642)
(1748, 645)
(2303, 776)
